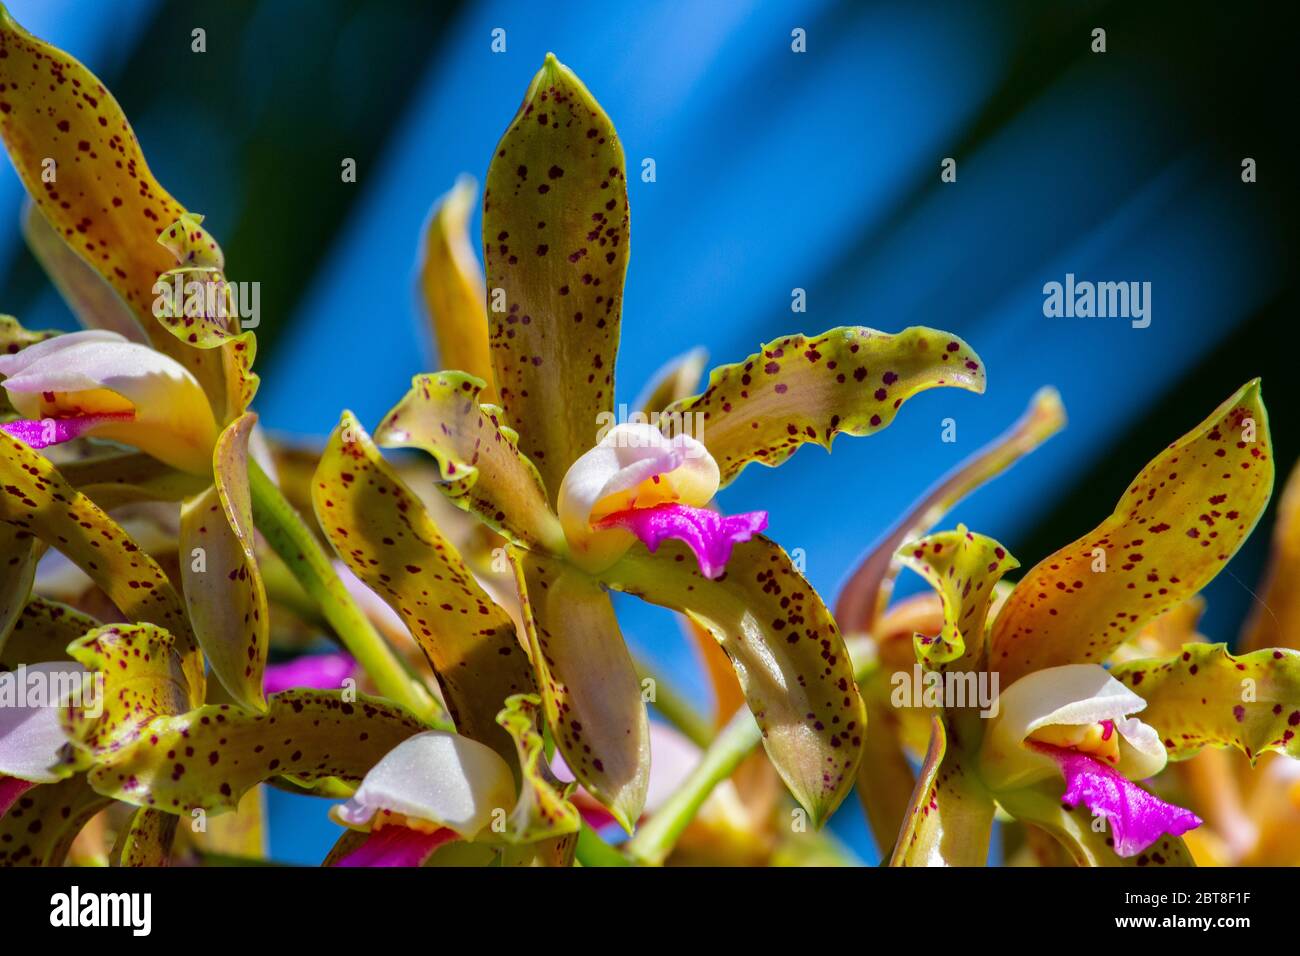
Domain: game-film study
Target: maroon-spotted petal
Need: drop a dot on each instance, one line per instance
(41, 433)
(317, 671)
(397, 846)
(709, 534)
(1137, 819)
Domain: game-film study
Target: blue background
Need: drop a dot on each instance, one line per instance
(775, 170)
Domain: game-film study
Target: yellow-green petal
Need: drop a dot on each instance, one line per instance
(18, 557)
(478, 456)
(42, 632)
(950, 818)
(675, 381)
(147, 839)
(222, 582)
(451, 282)
(1205, 696)
(865, 595)
(39, 828)
(383, 533)
(208, 758)
(963, 568)
(787, 652)
(555, 245)
(118, 478)
(589, 684)
(800, 389)
(1275, 615)
(1180, 521)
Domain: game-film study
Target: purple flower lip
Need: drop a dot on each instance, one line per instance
(707, 533)
(41, 433)
(1137, 819)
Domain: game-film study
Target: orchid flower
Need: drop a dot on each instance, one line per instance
(589, 504)
(1070, 739)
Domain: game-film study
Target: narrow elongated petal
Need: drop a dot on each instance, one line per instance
(451, 282)
(38, 500)
(1275, 616)
(39, 827)
(385, 536)
(1074, 828)
(433, 780)
(951, 815)
(1205, 696)
(963, 567)
(1136, 818)
(555, 244)
(209, 757)
(115, 389)
(223, 586)
(478, 457)
(104, 202)
(118, 478)
(1177, 525)
(786, 650)
(589, 684)
(93, 301)
(865, 594)
(798, 389)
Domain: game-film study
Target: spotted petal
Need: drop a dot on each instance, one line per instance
(38, 829)
(785, 648)
(385, 536)
(589, 684)
(543, 810)
(478, 457)
(963, 567)
(148, 839)
(1205, 696)
(951, 815)
(142, 677)
(798, 389)
(209, 757)
(18, 557)
(678, 379)
(555, 243)
(223, 585)
(1177, 525)
(43, 632)
(104, 202)
(864, 596)
(38, 500)
(451, 282)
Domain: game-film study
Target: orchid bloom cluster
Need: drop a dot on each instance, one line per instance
(177, 565)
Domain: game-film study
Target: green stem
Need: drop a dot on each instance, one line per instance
(654, 841)
(298, 547)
